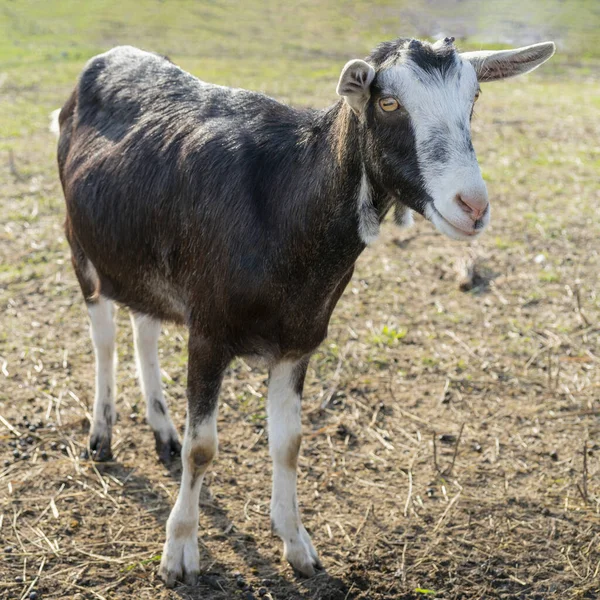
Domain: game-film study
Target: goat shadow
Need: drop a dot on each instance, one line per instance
(220, 582)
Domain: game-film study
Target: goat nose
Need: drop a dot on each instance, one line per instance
(472, 204)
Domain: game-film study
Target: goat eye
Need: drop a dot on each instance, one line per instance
(477, 94)
(389, 104)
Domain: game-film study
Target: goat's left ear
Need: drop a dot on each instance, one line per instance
(499, 64)
(355, 83)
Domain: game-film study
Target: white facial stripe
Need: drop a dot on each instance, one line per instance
(439, 107)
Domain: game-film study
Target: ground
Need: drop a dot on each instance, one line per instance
(451, 418)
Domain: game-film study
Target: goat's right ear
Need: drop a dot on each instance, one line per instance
(355, 83)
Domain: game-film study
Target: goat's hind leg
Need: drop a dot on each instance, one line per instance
(146, 331)
(103, 332)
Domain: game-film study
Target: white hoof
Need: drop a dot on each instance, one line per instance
(180, 559)
(301, 554)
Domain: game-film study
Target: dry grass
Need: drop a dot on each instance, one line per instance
(452, 418)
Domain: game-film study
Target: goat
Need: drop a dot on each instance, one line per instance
(242, 218)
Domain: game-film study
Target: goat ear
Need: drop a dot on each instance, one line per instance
(500, 64)
(355, 82)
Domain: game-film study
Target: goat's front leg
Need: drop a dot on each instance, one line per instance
(286, 381)
(206, 364)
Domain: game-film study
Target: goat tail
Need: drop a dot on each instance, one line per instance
(54, 126)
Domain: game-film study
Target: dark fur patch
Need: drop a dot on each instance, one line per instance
(159, 406)
(436, 149)
(199, 460)
(293, 450)
(299, 375)
(107, 412)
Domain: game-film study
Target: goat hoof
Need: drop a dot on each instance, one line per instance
(302, 556)
(168, 450)
(180, 562)
(99, 450)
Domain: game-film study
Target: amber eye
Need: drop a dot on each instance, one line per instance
(477, 94)
(389, 104)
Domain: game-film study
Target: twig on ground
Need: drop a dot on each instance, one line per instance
(448, 471)
(435, 462)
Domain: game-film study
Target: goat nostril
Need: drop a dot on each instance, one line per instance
(474, 207)
(463, 205)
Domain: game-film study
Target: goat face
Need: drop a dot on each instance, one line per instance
(414, 102)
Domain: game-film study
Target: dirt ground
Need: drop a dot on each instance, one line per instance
(451, 419)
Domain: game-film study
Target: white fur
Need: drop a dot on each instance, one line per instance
(103, 333)
(180, 553)
(146, 331)
(284, 430)
(445, 104)
(368, 221)
(54, 126)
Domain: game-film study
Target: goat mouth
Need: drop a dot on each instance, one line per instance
(450, 229)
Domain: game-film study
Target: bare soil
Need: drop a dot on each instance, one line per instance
(451, 419)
